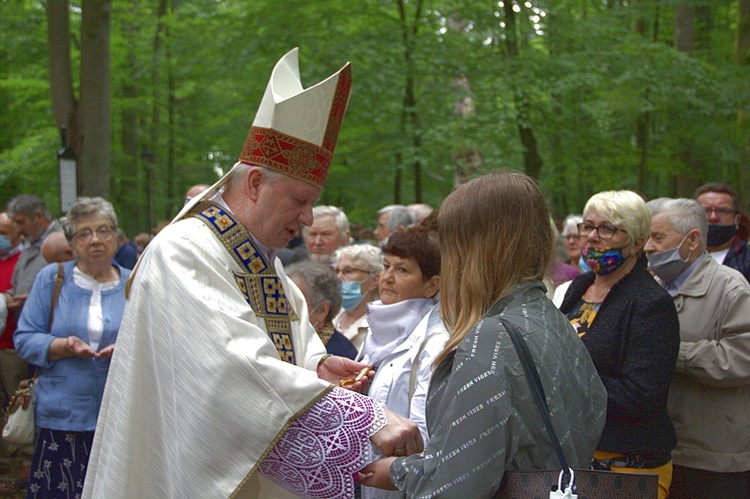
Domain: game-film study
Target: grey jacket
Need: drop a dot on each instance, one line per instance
(481, 414)
(31, 262)
(709, 398)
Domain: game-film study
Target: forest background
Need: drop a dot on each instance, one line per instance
(585, 95)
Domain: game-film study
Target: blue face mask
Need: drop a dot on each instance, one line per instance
(582, 264)
(5, 243)
(351, 294)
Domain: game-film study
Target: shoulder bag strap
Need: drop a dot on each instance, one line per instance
(536, 386)
(415, 369)
(59, 279)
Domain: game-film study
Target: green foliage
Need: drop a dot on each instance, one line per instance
(581, 80)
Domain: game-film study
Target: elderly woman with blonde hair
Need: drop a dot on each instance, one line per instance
(630, 327)
(480, 417)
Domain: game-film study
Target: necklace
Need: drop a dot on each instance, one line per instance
(595, 295)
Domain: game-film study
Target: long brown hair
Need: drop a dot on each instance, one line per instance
(494, 233)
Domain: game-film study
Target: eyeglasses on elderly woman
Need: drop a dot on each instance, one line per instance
(103, 232)
(603, 231)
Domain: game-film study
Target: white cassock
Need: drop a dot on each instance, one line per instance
(197, 394)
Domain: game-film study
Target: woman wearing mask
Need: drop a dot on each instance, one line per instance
(358, 268)
(74, 354)
(630, 327)
(406, 330)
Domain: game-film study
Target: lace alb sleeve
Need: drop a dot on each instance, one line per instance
(320, 453)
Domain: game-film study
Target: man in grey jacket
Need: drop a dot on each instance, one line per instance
(34, 221)
(709, 398)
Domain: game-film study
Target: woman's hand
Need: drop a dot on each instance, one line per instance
(72, 346)
(335, 369)
(106, 352)
(400, 437)
(377, 474)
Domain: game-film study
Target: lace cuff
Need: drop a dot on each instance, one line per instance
(379, 419)
(323, 449)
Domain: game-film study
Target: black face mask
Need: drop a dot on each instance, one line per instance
(720, 234)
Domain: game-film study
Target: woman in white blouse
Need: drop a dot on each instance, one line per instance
(406, 331)
(74, 351)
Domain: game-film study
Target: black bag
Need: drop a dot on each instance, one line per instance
(587, 484)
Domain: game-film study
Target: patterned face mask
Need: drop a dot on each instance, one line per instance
(603, 261)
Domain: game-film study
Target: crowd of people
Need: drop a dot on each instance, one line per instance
(241, 357)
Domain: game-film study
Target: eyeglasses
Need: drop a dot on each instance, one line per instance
(603, 231)
(350, 271)
(720, 211)
(571, 237)
(103, 232)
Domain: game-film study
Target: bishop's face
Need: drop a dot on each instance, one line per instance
(282, 205)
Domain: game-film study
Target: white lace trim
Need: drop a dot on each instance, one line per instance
(321, 452)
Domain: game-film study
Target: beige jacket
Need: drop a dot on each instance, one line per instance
(709, 398)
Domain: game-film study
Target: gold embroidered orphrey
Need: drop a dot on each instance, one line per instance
(260, 285)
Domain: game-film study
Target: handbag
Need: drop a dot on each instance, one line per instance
(567, 483)
(19, 428)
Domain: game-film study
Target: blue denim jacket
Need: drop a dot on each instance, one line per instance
(69, 391)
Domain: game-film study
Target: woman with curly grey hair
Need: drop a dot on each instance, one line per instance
(72, 345)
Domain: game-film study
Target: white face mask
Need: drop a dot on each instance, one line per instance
(668, 264)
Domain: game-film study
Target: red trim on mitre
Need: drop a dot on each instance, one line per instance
(286, 154)
(296, 157)
(338, 108)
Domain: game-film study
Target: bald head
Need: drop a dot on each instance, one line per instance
(8, 229)
(195, 190)
(55, 248)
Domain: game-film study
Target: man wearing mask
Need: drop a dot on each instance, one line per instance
(723, 211)
(710, 390)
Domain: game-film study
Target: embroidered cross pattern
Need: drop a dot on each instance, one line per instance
(259, 284)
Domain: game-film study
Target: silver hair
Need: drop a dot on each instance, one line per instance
(367, 256)
(683, 214)
(398, 214)
(320, 282)
(570, 224)
(340, 218)
(29, 205)
(238, 175)
(85, 207)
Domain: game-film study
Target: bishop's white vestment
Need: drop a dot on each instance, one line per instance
(198, 394)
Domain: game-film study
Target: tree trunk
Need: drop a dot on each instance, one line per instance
(61, 74)
(150, 156)
(642, 124)
(130, 203)
(532, 159)
(684, 41)
(173, 208)
(94, 109)
(742, 56)
(410, 116)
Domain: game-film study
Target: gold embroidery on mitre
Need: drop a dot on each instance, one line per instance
(261, 287)
(286, 154)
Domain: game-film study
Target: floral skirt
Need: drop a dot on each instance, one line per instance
(58, 467)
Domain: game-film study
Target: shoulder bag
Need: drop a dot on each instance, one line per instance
(19, 428)
(567, 483)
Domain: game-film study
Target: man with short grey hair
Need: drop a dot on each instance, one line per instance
(328, 232)
(35, 222)
(710, 390)
(390, 218)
